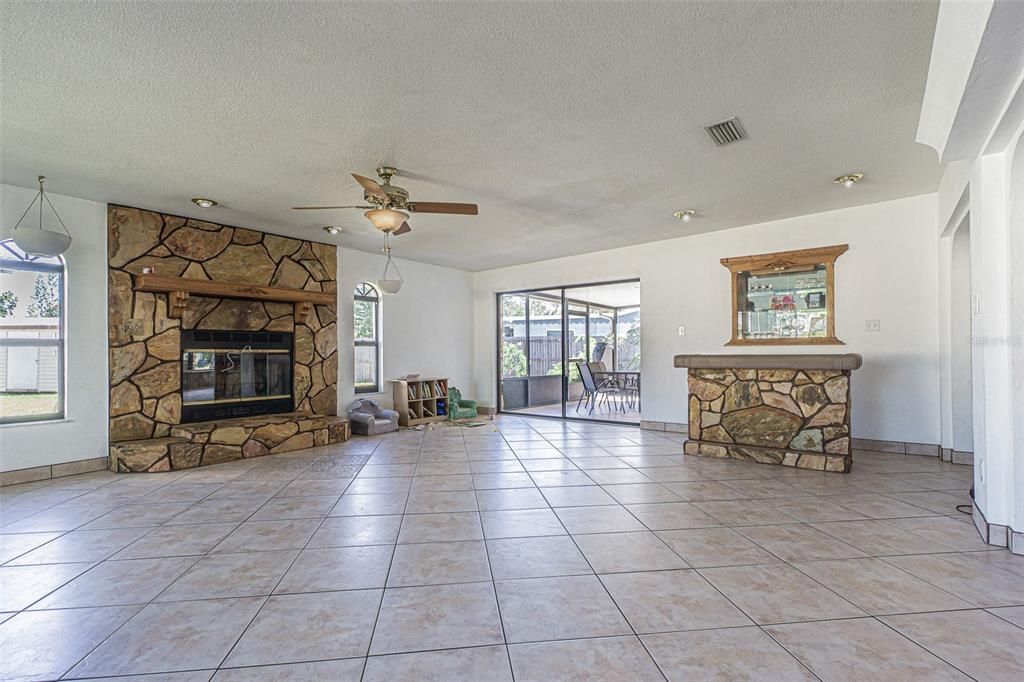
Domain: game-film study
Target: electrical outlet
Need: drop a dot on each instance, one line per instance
(682, 331)
(872, 325)
(133, 327)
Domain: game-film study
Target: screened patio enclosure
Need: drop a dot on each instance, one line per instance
(544, 335)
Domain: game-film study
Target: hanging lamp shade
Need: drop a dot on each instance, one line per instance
(36, 241)
(391, 279)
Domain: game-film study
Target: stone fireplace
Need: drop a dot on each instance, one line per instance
(180, 363)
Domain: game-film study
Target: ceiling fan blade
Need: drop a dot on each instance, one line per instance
(442, 207)
(371, 187)
(402, 229)
(324, 208)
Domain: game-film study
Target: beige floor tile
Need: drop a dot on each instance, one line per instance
(168, 637)
(641, 493)
(611, 519)
(860, 649)
(609, 659)
(292, 628)
(620, 552)
(878, 587)
(221, 510)
(538, 609)
(369, 505)
(798, 542)
(437, 617)
(743, 512)
(138, 515)
(170, 541)
(510, 498)
(672, 516)
(379, 486)
(314, 488)
(577, 496)
(879, 538)
(978, 643)
(778, 594)
(703, 491)
(264, 536)
(519, 523)
(345, 531)
(710, 547)
(430, 502)
(337, 568)
(447, 527)
(966, 577)
(879, 506)
(307, 507)
(813, 509)
(43, 645)
(478, 663)
(730, 655)
(344, 670)
(81, 546)
(16, 544)
(113, 583)
(535, 557)
(441, 483)
(502, 480)
(217, 576)
(663, 601)
(1013, 614)
(951, 533)
(553, 464)
(437, 563)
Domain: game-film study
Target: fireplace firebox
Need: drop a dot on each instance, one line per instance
(226, 374)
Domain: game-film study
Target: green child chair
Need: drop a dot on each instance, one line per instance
(459, 408)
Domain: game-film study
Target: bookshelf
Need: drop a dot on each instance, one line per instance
(420, 401)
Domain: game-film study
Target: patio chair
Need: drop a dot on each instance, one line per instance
(593, 393)
(458, 407)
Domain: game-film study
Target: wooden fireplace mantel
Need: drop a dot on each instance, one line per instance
(178, 289)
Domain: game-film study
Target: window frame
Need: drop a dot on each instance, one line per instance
(27, 263)
(362, 293)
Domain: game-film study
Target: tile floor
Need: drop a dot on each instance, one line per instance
(526, 550)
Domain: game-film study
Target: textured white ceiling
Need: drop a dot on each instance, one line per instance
(575, 126)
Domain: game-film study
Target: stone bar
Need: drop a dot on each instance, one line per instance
(792, 410)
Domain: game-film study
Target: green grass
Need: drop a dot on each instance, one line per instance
(27, 404)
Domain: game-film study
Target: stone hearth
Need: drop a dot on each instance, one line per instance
(201, 443)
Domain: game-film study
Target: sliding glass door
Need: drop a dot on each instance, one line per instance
(571, 352)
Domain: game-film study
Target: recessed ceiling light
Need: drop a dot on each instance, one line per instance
(685, 214)
(332, 229)
(849, 180)
(204, 203)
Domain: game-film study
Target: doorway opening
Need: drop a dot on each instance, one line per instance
(571, 352)
(961, 320)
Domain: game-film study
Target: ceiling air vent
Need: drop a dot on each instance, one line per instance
(725, 132)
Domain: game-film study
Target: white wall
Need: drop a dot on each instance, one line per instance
(961, 390)
(889, 274)
(82, 434)
(426, 328)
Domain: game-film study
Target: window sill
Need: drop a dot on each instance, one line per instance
(37, 422)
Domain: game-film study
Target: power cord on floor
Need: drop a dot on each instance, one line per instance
(964, 509)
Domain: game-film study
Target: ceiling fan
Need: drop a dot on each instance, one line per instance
(389, 203)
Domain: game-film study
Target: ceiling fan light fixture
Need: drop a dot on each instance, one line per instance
(386, 219)
(685, 215)
(203, 202)
(849, 180)
(333, 230)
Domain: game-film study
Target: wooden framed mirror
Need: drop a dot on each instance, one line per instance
(784, 298)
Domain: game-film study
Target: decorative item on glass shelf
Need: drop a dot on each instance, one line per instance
(389, 282)
(38, 241)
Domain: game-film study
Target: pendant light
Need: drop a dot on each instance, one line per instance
(389, 283)
(40, 242)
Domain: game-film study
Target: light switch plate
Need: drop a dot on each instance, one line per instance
(872, 325)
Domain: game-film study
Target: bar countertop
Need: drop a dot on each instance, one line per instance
(842, 361)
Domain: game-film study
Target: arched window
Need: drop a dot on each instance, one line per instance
(31, 336)
(366, 325)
